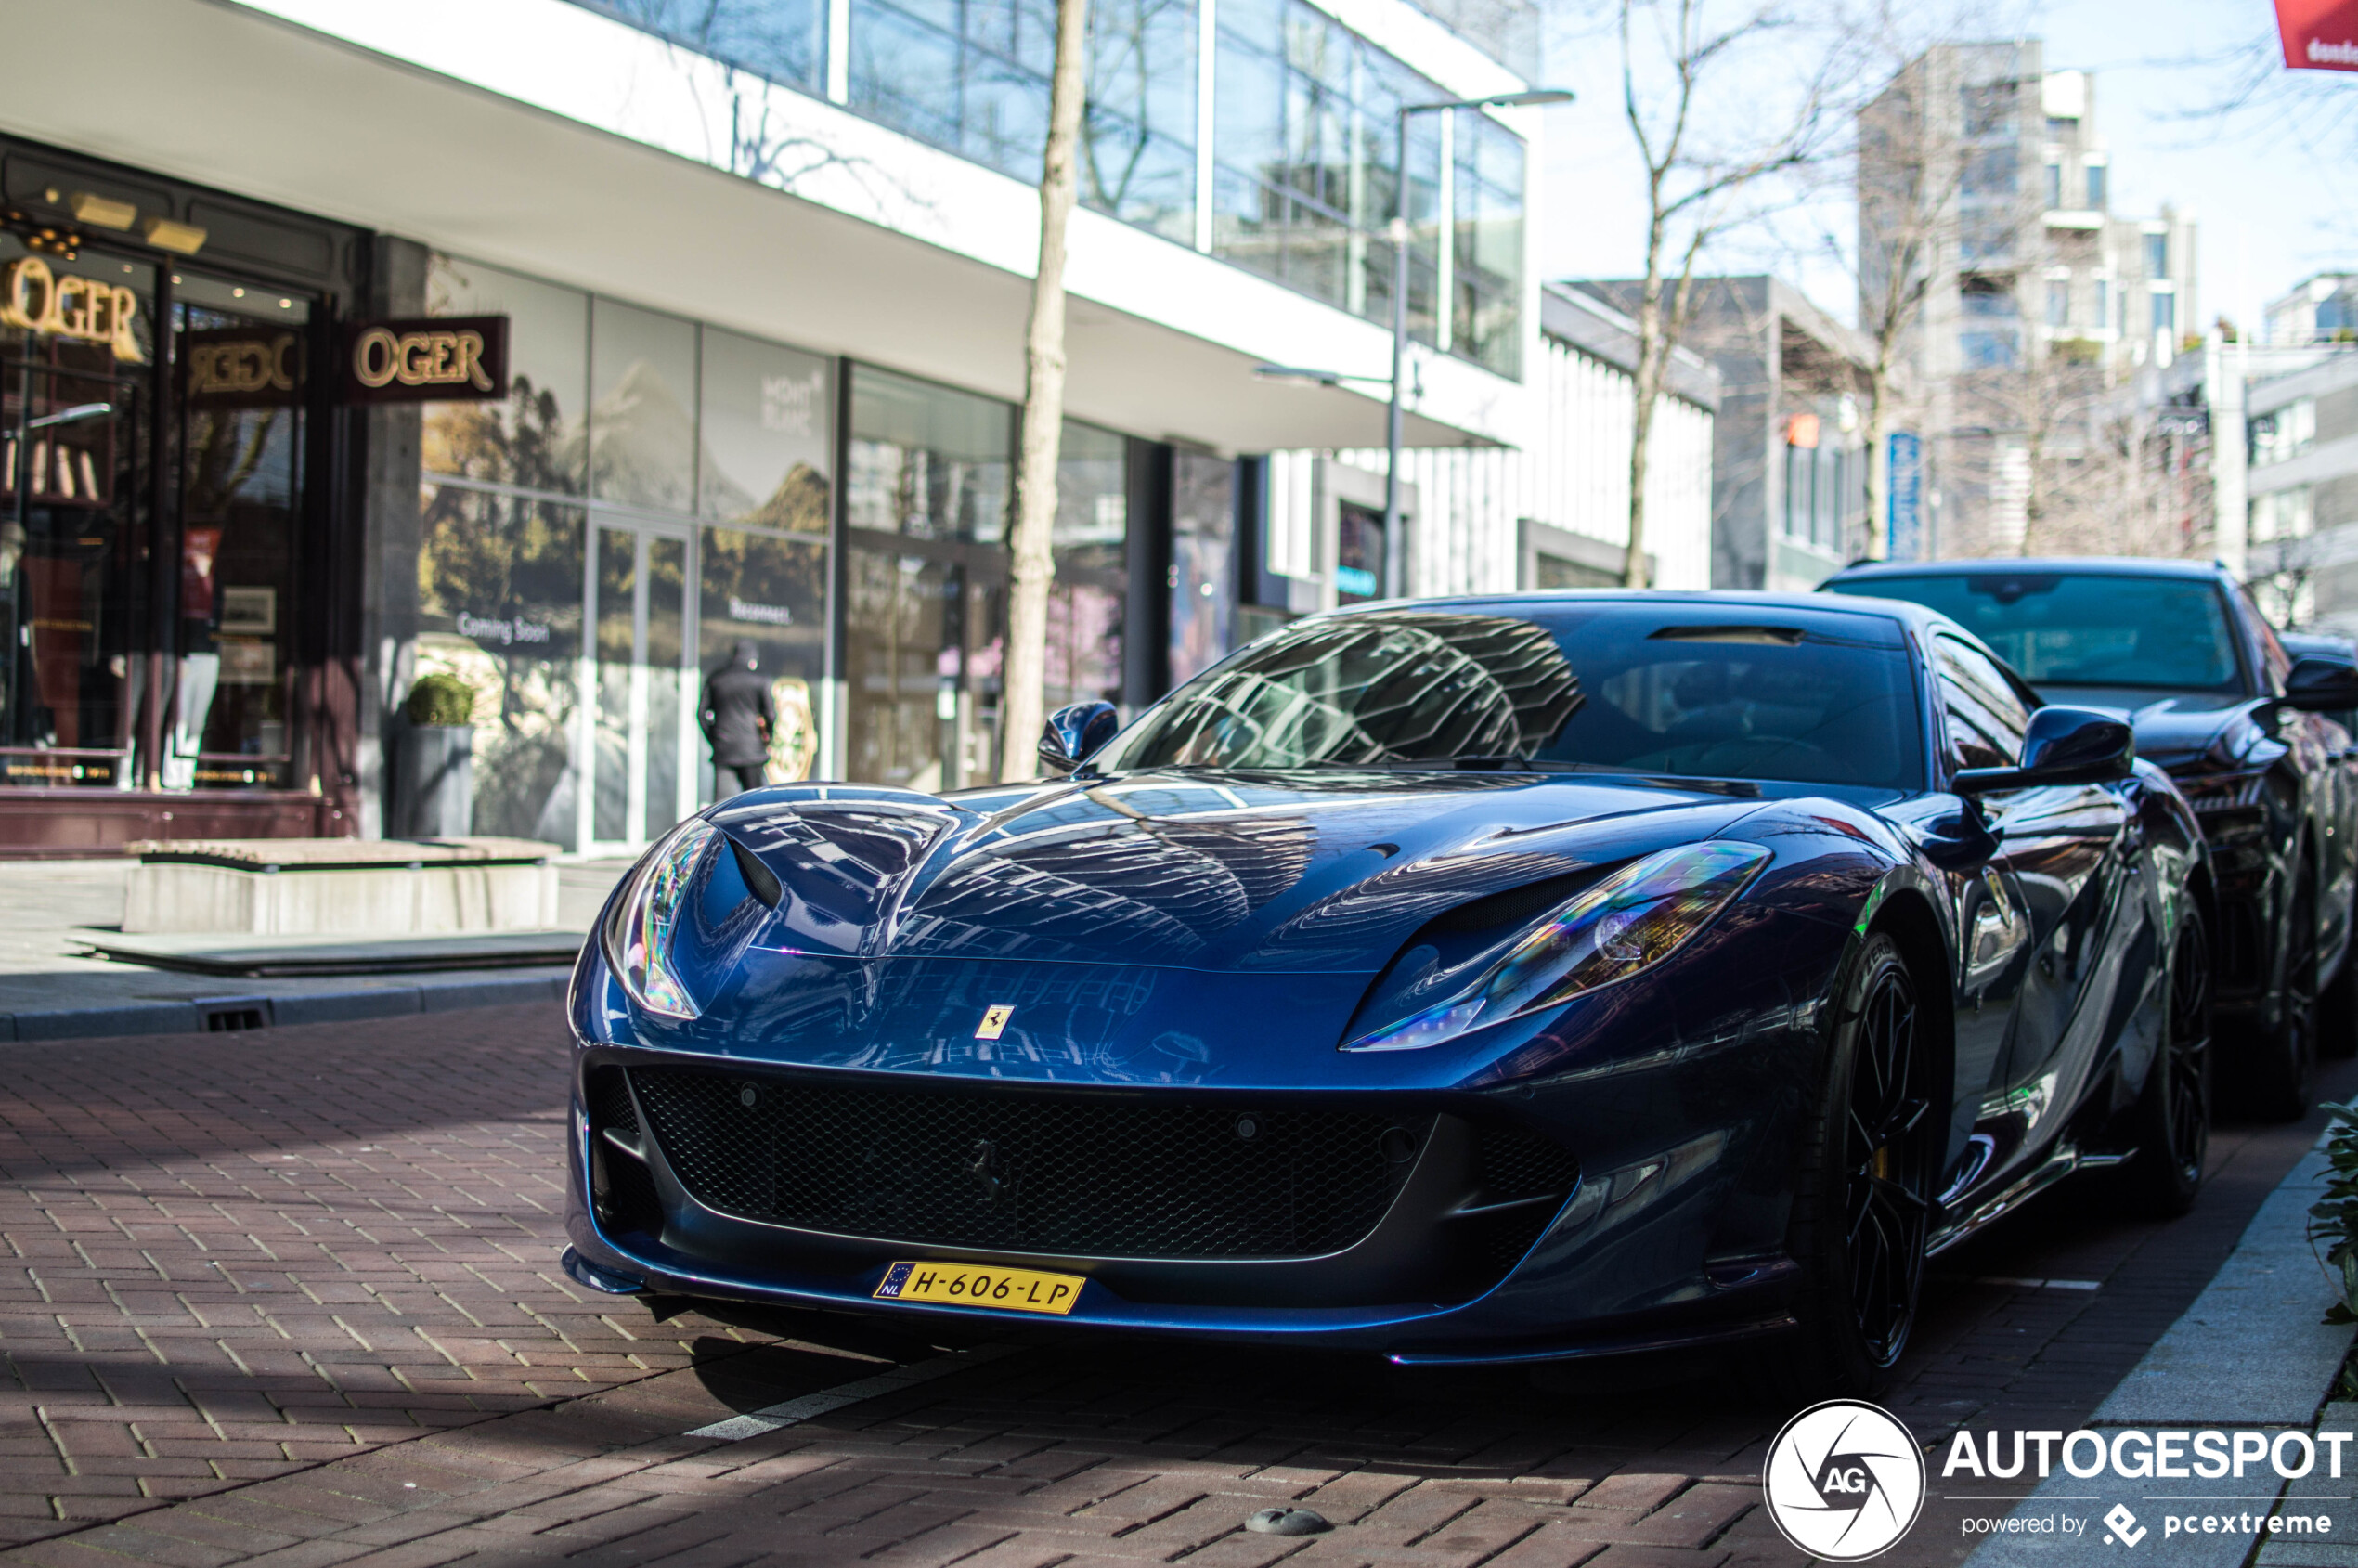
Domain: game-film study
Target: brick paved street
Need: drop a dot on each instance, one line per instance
(291, 1298)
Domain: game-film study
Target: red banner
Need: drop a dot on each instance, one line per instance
(2319, 34)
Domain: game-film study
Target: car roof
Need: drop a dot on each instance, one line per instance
(1824, 609)
(2085, 566)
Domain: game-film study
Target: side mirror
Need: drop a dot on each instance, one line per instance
(1072, 733)
(2321, 685)
(2063, 746)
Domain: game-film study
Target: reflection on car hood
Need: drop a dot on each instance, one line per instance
(2195, 731)
(1314, 871)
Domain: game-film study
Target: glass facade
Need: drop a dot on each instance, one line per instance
(785, 40)
(1203, 563)
(972, 76)
(925, 618)
(1304, 123)
(652, 493)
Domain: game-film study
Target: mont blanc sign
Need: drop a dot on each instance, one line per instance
(429, 359)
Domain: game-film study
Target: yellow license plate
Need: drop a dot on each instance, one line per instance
(1010, 1290)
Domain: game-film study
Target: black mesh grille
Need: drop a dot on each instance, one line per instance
(609, 1099)
(1062, 1174)
(1513, 1162)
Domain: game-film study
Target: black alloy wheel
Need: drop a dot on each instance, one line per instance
(2171, 1119)
(2285, 1057)
(1862, 1202)
(1886, 1206)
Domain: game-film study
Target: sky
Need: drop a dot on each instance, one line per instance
(2273, 207)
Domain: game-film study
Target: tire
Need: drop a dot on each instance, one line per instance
(2172, 1118)
(2337, 1006)
(1862, 1197)
(2284, 1059)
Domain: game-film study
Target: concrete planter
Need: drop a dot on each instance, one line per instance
(340, 886)
(433, 782)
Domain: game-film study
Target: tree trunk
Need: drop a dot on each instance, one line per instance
(1653, 358)
(1024, 705)
(1878, 473)
(1633, 573)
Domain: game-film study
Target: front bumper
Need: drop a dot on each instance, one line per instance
(1664, 1227)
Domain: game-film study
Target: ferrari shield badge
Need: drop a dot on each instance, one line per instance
(994, 1022)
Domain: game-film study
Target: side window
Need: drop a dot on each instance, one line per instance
(1986, 720)
(2276, 662)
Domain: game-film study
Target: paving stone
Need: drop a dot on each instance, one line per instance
(365, 1354)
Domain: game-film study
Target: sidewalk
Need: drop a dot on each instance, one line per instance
(51, 990)
(2251, 1352)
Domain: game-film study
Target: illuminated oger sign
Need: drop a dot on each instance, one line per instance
(34, 297)
(434, 359)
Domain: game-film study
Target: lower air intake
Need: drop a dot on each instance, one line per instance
(1070, 1174)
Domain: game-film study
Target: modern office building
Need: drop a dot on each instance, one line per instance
(2301, 484)
(563, 346)
(1787, 503)
(1552, 513)
(2319, 309)
(1985, 180)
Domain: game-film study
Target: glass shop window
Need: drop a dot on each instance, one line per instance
(74, 444)
(1203, 563)
(1359, 554)
(240, 448)
(537, 439)
(643, 410)
(1090, 594)
(500, 607)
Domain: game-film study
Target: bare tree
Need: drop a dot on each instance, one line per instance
(1675, 55)
(1032, 541)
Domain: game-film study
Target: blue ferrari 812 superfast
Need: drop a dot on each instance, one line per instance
(1470, 981)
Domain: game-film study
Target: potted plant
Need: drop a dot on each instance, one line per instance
(434, 785)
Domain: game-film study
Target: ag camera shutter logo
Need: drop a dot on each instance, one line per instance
(1843, 1481)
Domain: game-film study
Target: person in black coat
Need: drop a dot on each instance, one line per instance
(737, 715)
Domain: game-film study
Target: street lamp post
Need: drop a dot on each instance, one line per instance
(1394, 583)
(1394, 552)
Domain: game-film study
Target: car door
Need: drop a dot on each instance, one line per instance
(2066, 852)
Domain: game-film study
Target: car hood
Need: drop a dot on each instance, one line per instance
(1308, 872)
(2196, 732)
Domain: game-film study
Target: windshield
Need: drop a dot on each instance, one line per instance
(2085, 628)
(1673, 689)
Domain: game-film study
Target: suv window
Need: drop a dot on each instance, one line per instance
(2272, 653)
(2118, 630)
(1986, 719)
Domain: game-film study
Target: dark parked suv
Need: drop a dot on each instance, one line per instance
(2242, 725)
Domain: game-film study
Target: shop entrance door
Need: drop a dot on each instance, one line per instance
(641, 686)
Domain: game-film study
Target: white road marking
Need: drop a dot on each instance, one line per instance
(802, 1409)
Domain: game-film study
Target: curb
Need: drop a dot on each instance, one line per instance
(235, 1010)
(2250, 1352)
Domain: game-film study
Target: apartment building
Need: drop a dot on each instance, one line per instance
(1986, 184)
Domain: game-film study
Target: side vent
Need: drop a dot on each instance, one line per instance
(1522, 1179)
(622, 1192)
(230, 1020)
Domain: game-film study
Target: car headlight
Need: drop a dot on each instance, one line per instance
(1629, 922)
(640, 926)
